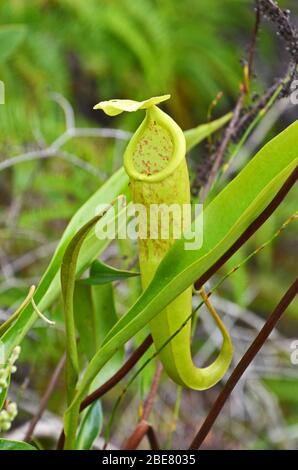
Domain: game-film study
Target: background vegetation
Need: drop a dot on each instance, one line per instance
(84, 52)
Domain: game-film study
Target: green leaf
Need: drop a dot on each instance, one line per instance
(6, 444)
(94, 322)
(90, 427)
(95, 315)
(68, 277)
(49, 286)
(85, 320)
(194, 136)
(4, 327)
(101, 273)
(10, 38)
(225, 219)
(103, 302)
(286, 389)
(105, 317)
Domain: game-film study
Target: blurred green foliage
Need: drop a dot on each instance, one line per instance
(100, 49)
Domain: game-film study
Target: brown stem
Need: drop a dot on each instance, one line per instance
(143, 429)
(44, 401)
(137, 436)
(243, 365)
(129, 364)
(152, 438)
(143, 426)
(148, 403)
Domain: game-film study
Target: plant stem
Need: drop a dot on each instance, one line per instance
(143, 426)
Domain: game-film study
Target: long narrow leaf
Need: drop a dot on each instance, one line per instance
(49, 286)
(6, 444)
(90, 426)
(101, 273)
(68, 277)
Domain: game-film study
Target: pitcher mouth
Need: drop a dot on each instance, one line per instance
(156, 149)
